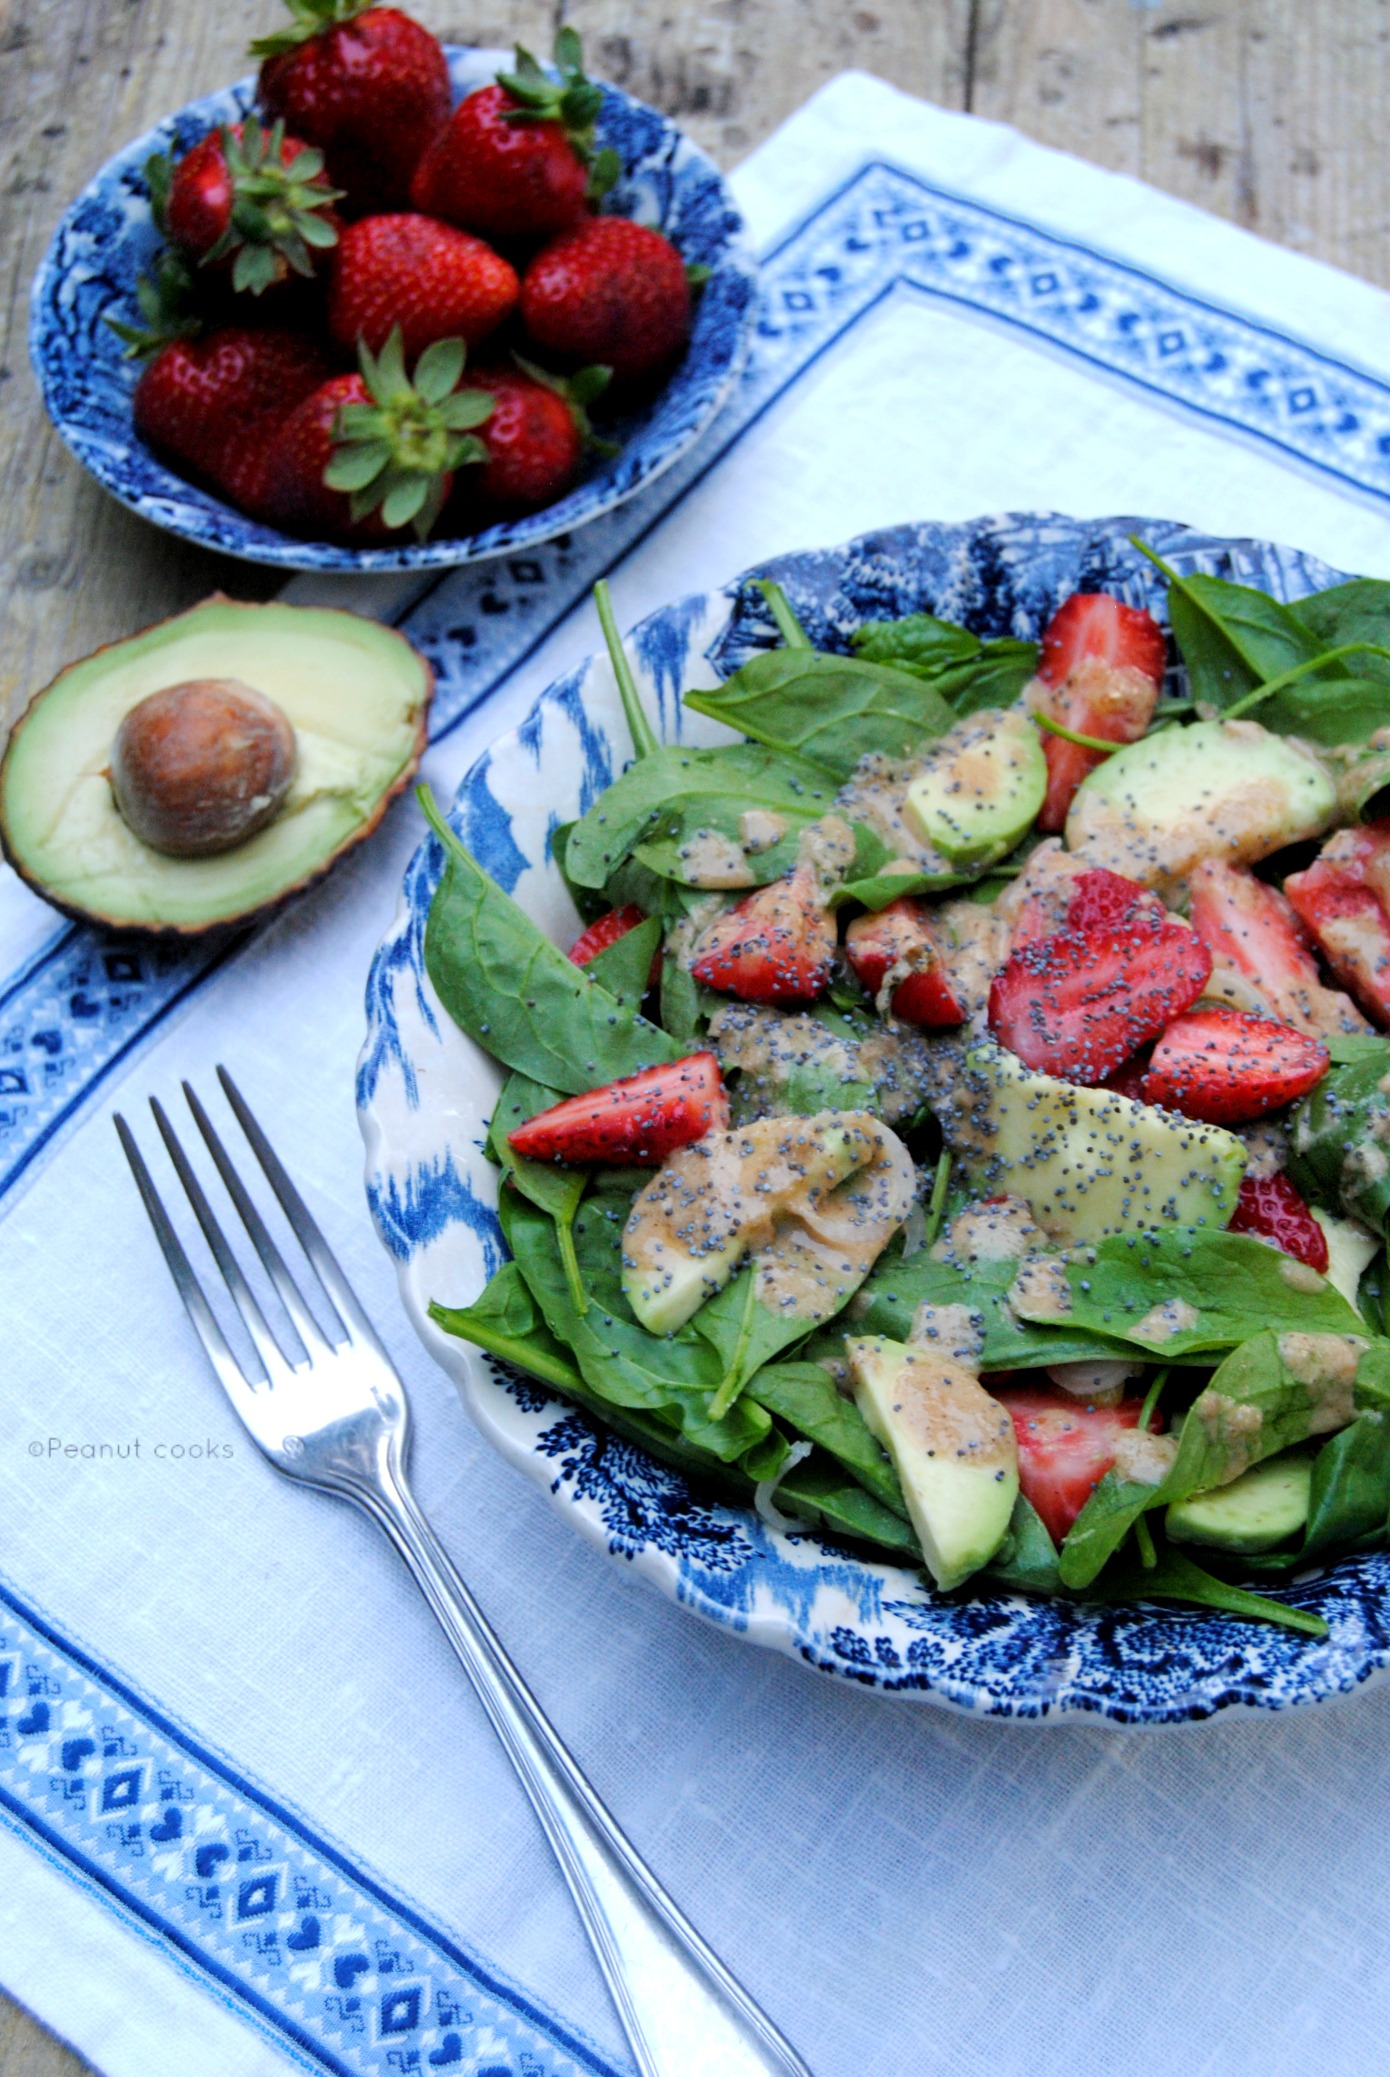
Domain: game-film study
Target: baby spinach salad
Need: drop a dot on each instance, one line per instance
(962, 1121)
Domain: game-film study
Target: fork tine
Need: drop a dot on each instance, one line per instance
(335, 1285)
(307, 1327)
(190, 1290)
(267, 1347)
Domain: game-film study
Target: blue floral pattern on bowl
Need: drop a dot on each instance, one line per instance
(107, 239)
(425, 1093)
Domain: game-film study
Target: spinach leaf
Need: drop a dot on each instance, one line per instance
(1191, 1291)
(1340, 1133)
(1272, 1392)
(1358, 611)
(1329, 712)
(919, 639)
(803, 1396)
(508, 987)
(590, 901)
(1232, 637)
(505, 1321)
(692, 789)
(964, 671)
(1350, 1494)
(820, 1493)
(995, 678)
(1027, 1558)
(624, 967)
(888, 1300)
(619, 1361)
(555, 1188)
(877, 890)
(1176, 1578)
(745, 1333)
(831, 710)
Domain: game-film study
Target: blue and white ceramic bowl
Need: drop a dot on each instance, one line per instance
(106, 240)
(425, 1092)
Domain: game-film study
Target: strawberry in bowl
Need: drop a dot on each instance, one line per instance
(341, 194)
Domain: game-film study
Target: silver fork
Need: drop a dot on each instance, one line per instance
(336, 1417)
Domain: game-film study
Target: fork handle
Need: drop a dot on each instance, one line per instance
(684, 2014)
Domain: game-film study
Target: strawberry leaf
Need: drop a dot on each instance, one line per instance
(438, 369)
(353, 468)
(467, 407)
(404, 500)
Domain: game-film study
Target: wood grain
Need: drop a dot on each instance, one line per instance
(1269, 112)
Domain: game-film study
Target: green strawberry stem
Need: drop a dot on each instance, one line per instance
(310, 18)
(394, 454)
(276, 208)
(643, 735)
(165, 300)
(573, 101)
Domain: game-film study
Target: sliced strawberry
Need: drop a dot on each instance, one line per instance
(1128, 1079)
(605, 931)
(1343, 899)
(1271, 1209)
(1065, 1448)
(1256, 936)
(1091, 626)
(1225, 1066)
(1101, 667)
(775, 945)
(637, 1121)
(1078, 1004)
(1101, 900)
(898, 939)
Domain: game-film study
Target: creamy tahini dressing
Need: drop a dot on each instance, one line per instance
(940, 1406)
(710, 859)
(1162, 1322)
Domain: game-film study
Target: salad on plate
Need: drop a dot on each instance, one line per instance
(961, 1122)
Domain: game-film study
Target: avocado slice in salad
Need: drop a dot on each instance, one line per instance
(1088, 1162)
(1215, 788)
(343, 701)
(812, 1202)
(1263, 1508)
(980, 788)
(952, 1446)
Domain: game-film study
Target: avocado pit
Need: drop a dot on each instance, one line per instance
(198, 768)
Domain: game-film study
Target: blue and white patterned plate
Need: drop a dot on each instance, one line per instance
(425, 1093)
(106, 240)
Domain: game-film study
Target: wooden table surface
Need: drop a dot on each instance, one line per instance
(1270, 112)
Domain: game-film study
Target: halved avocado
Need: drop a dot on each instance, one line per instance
(355, 693)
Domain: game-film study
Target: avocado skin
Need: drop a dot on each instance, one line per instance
(1257, 1512)
(108, 916)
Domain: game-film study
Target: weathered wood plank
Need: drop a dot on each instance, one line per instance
(1269, 112)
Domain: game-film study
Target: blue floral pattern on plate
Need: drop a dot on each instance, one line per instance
(425, 1092)
(107, 238)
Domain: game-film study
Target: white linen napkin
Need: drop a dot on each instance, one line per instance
(251, 1818)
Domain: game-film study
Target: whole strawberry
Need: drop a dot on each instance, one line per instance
(535, 437)
(612, 291)
(253, 202)
(208, 403)
(367, 455)
(517, 159)
(365, 84)
(415, 272)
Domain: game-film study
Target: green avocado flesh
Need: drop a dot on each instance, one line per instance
(952, 1447)
(354, 692)
(1087, 1161)
(1157, 807)
(980, 788)
(1261, 1509)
